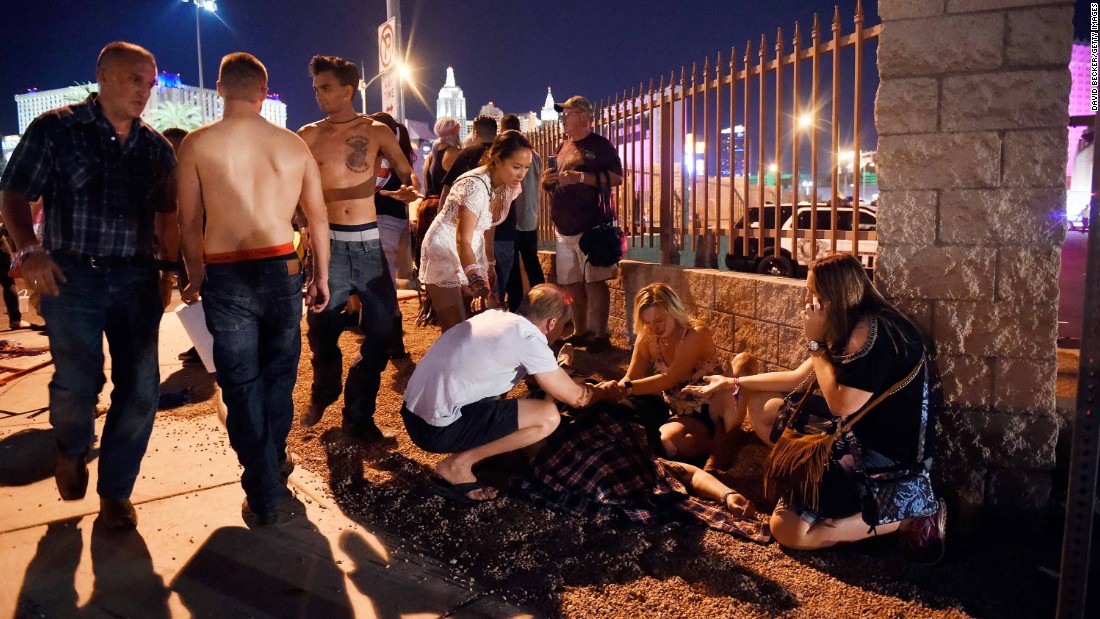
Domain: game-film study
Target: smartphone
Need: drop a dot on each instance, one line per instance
(552, 161)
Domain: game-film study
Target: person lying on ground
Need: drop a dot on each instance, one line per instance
(673, 351)
(601, 466)
(452, 402)
(865, 356)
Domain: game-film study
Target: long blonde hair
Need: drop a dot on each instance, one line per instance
(660, 296)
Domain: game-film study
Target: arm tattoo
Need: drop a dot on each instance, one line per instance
(357, 160)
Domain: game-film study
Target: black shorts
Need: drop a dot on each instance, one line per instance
(481, 422)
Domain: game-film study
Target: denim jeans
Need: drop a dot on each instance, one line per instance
(124, 304)
(254, 312)
(504, 252)
(355, 267)
(527, 254)
(7, 288)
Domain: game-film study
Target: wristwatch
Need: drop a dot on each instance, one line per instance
(815, 345)
(628, 387)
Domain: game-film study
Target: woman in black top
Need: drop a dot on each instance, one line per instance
(444, 152)
(860, 347)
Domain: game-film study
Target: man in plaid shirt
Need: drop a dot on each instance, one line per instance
(107, 179)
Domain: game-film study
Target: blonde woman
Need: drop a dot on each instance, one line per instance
(673, 351)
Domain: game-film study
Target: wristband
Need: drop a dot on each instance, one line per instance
(27, 251)
(470, 267)
(628, 387)
(476, 277)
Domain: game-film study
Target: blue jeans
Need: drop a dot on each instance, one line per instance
(504, 252)
(254, 311)
(124, 304)
(355, 267)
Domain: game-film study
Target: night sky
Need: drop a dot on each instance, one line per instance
(505, 51)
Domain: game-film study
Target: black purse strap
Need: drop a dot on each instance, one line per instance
(898, 386)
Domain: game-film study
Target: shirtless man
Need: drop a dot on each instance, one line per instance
(347, 146)
(249, 175)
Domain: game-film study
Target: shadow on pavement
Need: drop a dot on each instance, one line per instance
(286, 570)
(124, 583)
(27, 457)
(51, 573)
(190, 384)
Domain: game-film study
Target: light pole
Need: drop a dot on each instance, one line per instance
(200, 5)
(402, 73)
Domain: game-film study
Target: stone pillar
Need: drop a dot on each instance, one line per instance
(971, 114)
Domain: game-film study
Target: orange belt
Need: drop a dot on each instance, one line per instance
(250, 254)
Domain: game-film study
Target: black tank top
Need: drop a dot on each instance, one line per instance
(436, 172)
(386, 205)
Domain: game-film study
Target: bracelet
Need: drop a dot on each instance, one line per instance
(628, 387)
(470, 267)
(476, 277)
(492, 263)
(27, 251)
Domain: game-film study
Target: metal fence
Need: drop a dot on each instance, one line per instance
(704, 150)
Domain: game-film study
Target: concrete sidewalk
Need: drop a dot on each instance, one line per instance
(191, 554)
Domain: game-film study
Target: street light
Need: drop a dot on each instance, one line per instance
(403, 73)
(201, 5)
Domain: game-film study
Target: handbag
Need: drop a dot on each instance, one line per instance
(895, 493)
(800, 457)
(605, 244)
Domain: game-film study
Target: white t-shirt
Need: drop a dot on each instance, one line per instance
(483, 357)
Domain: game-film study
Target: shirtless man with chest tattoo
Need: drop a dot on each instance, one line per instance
(347, 148)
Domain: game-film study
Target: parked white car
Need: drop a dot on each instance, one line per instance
(793, 258)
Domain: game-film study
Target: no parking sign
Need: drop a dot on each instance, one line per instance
(387, 62)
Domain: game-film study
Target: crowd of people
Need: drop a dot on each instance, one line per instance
(122, 203)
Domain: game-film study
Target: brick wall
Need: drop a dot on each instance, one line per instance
(972, 113)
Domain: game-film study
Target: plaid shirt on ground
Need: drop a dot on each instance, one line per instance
(602, 468)
(100, 199)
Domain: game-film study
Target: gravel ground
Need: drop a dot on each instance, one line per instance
(560, 566)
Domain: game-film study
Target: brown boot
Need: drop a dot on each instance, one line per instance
(117, 513)
(71, 475)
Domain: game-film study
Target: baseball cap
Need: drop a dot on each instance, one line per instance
(575, 102)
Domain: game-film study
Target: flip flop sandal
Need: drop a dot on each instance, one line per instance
(455, 492)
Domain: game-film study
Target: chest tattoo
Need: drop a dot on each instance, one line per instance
(357, 160)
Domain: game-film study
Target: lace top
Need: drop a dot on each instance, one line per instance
(440, 264)
(681, 403)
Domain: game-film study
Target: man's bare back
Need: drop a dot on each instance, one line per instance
(252, 174)
(347, 154)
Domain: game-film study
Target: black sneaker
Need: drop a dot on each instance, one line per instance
(369, 432)
(923, 540)
(599, 345)
(580, 339)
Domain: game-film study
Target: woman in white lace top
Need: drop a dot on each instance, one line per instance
(457, 251)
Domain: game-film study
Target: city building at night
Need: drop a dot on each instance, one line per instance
(548, 114)
(451, 102)
(170, 89)
(492, 111)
